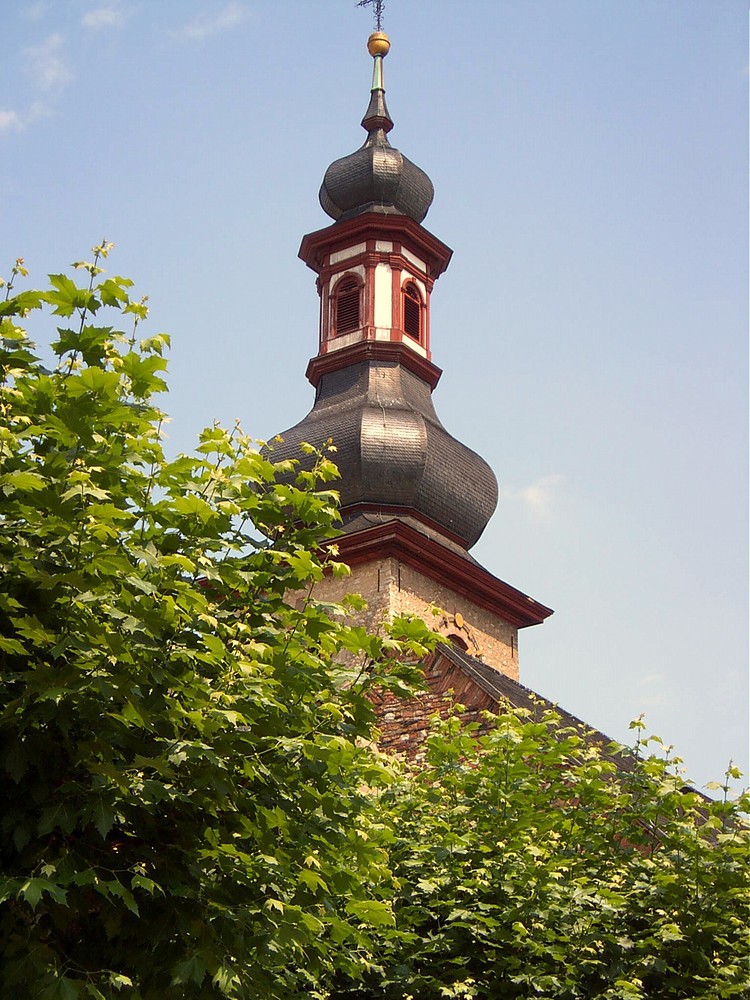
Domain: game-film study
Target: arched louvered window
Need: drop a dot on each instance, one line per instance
(412, 310)
(347, 306)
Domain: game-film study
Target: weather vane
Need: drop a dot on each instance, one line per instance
(378, 6)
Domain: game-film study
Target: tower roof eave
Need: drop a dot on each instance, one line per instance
(461, 574)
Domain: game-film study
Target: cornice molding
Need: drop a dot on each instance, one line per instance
(316, 246)
(373, 350)
(459, 574)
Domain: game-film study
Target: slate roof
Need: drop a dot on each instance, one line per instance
(405, 724)
(501, 688)
(393, 451)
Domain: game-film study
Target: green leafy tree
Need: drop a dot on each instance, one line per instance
(185, 781)
(534, 862)
(191, 807)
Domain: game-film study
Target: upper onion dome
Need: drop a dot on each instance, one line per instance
(377, 177)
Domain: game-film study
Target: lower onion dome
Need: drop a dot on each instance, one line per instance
(393, 452)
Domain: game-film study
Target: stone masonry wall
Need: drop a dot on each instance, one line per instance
(392, 588)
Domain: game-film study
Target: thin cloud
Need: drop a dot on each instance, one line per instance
(10, 121)
(652, 690)
(46, 66)
(17, 121)
(231, 15)
(36, 11)
(539, 497)
(650, 679)
(108, 16)
(49, 74)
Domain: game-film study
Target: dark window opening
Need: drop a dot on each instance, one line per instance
(412, 311)
(347, 306)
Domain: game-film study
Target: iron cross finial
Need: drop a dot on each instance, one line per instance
(378, 7)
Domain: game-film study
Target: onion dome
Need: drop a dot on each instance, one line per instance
(377, 177)
(395, 457)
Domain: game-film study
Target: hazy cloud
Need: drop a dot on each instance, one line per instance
(17, 121)
(49, 74)
(652, 690)
(109, 15)
(46, 66)
(538, 497)
(10, 121)
(36, 11)
(220, 19)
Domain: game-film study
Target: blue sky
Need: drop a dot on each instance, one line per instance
(590, 165)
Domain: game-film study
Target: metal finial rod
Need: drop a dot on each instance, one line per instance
(378, 6)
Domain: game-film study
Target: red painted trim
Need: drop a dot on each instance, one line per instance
(395, 299)
(316, 247)
(325, 315)
(370, 267)
(373, 350)
(396, 260)
(427, 321)
(457, 573)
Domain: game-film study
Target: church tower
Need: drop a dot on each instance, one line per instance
(414, 500)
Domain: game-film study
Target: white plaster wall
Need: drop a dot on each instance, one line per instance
(345, 340)
(347, 252)
(413, 259)
(383, 297)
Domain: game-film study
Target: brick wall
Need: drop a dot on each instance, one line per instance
(403, 724)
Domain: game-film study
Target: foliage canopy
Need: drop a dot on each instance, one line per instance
(533, 862)
(183, 775)
(192, 806)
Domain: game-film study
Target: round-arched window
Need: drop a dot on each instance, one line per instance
(412, 310)
(346, 306)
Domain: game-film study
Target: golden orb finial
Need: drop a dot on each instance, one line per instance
(378, 44)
